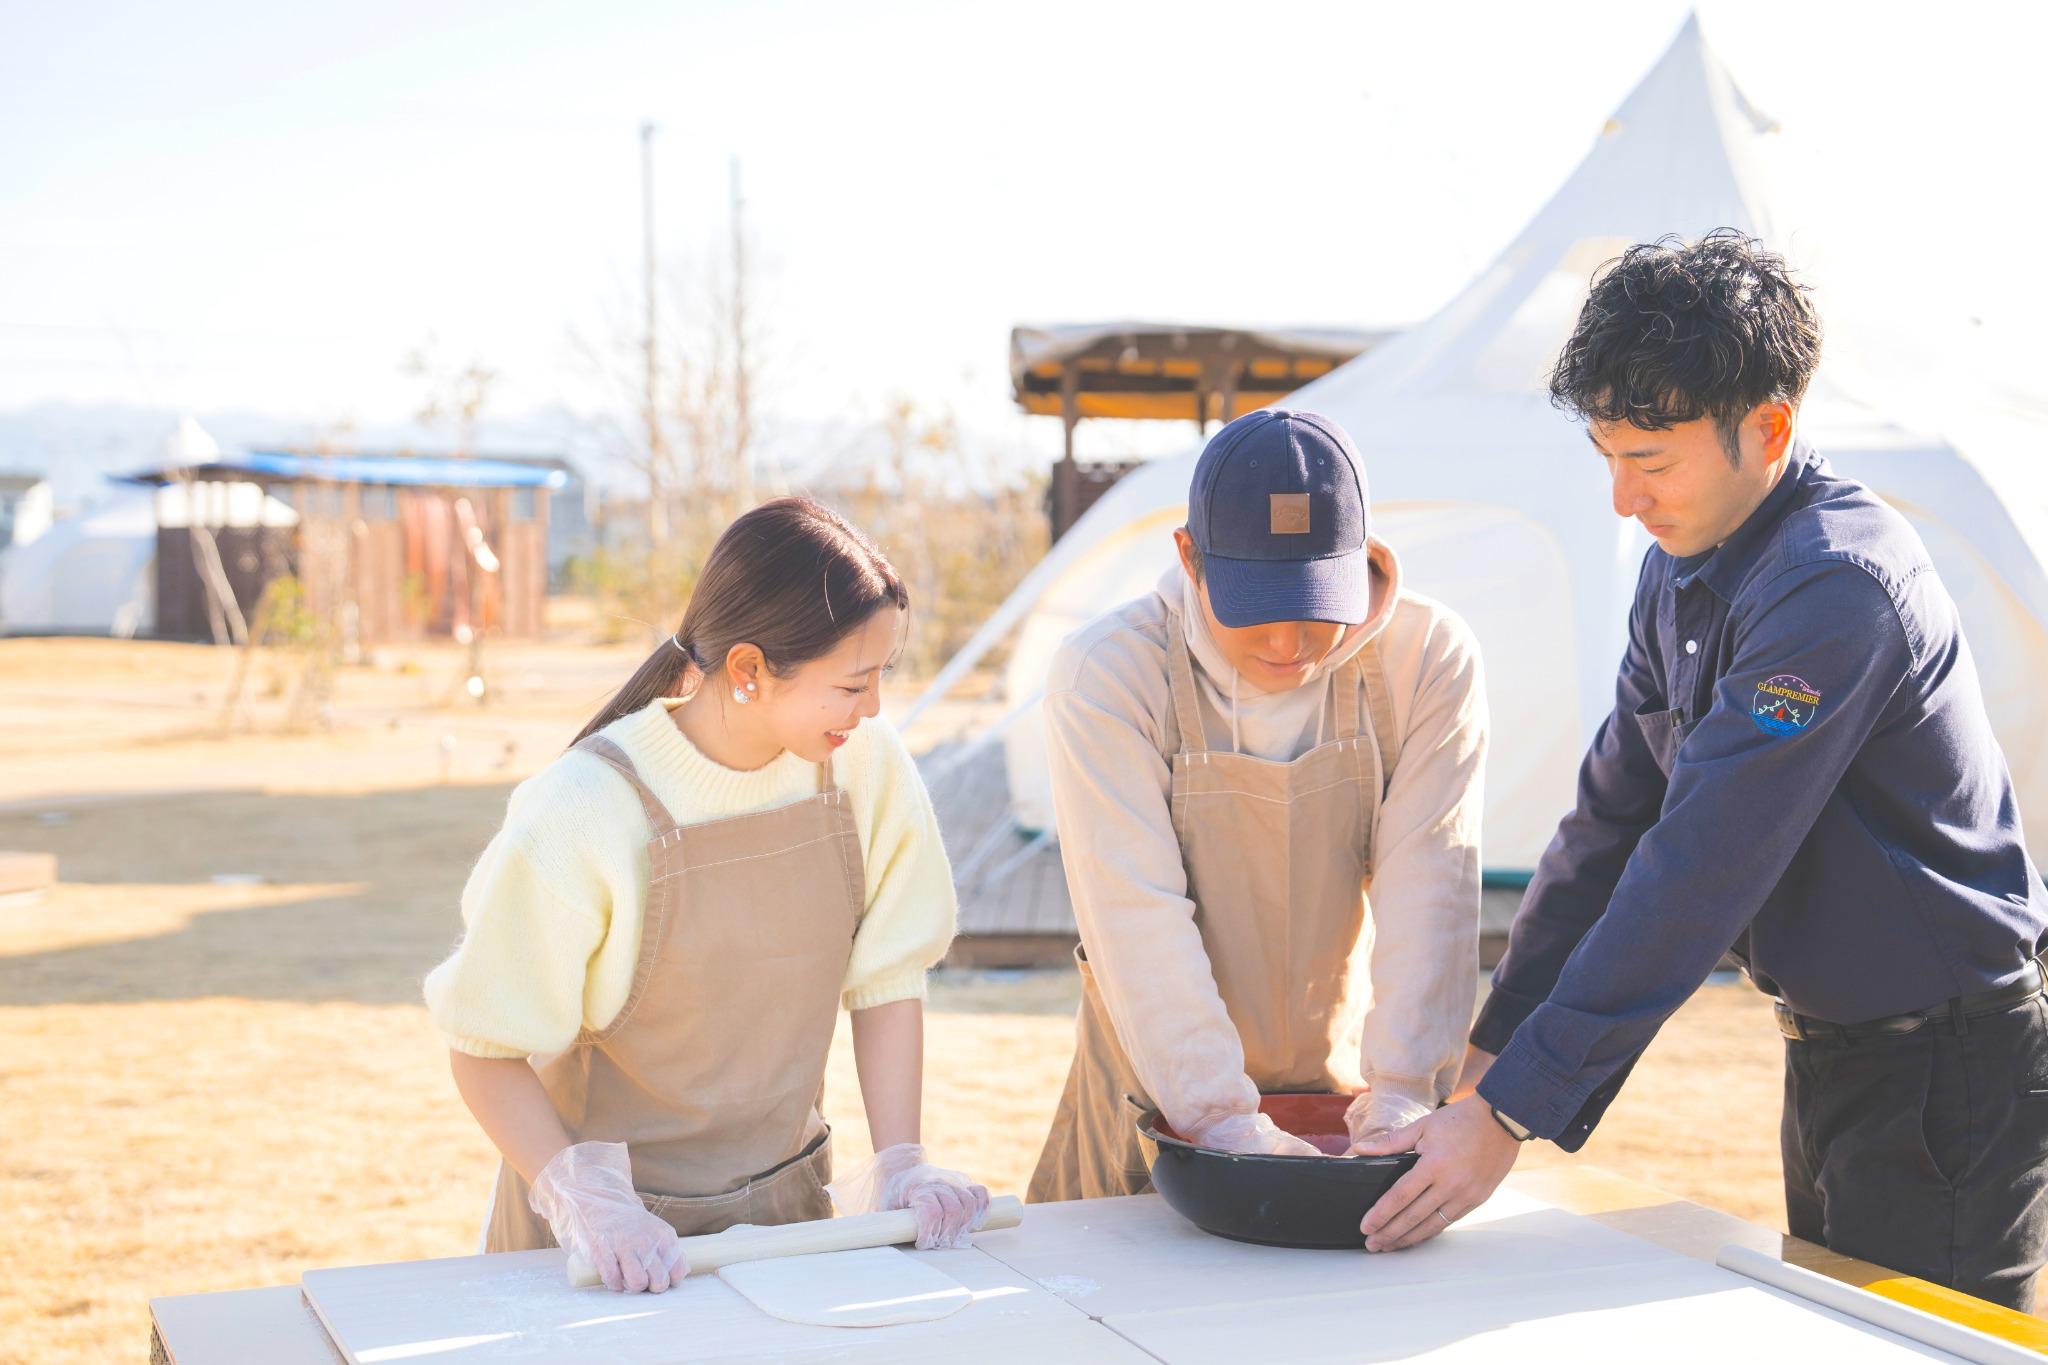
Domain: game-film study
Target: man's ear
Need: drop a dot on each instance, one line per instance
(1772, 423)
(1185, 544)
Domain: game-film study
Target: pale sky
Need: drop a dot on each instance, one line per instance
(266, 207)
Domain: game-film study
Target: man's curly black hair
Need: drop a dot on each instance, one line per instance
(1675, 331)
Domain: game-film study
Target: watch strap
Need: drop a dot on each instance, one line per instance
(1513, 1129)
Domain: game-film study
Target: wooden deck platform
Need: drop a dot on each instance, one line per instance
(25, 876)
(1014, 910)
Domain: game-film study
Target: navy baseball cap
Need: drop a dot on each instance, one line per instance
(1278, 510)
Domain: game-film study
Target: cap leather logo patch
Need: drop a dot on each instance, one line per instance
(1290, 514)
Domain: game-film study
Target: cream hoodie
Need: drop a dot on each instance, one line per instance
(1108, 712)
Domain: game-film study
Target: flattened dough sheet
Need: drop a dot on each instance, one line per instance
(876, 1287)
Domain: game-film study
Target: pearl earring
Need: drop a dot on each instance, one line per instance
(740, 694)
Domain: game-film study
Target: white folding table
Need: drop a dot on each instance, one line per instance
(1563, 1262)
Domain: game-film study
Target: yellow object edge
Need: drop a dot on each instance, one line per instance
(1992, 1319)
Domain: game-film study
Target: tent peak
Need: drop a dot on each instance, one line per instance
(1692, 36)
(190, 443)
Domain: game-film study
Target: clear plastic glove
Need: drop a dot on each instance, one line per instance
(1373, 1116)
(1253, 1134)
(948, 1205)
(586, 1194)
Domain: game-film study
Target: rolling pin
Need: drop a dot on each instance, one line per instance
(851, 1233)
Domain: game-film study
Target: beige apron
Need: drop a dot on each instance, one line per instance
(1279, 860)
(713, 1070)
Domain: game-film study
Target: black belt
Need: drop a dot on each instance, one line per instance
(1955, 1013)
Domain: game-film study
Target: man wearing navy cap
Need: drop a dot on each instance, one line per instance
(1266, 778)
(1798, 770)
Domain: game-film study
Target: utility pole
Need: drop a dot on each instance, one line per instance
(657, 453)
(743, 426)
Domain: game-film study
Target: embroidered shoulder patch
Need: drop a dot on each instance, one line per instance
(1784, 705)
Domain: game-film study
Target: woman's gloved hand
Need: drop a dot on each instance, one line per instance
(586, 1194)
(1253, 1134)
(1372, 1116)
(948, 1205)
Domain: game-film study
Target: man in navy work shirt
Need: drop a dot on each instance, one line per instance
(1799, 770)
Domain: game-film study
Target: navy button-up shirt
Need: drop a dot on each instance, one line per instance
(1799, 768)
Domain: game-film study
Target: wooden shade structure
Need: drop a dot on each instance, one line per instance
(1165, 371)
(1153, 371)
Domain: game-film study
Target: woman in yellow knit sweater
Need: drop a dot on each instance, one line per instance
(657, 942)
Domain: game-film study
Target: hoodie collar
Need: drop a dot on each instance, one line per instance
(1180, 593)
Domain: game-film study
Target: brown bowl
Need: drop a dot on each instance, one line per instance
(1287, 1201)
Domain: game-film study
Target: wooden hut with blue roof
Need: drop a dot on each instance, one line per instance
(387, 547)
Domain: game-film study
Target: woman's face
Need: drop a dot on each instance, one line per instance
(812, 711)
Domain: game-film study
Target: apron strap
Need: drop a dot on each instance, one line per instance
(1180, 679)
(602, 749)
(1363, 671)
(1347, 699)
(1381, 706)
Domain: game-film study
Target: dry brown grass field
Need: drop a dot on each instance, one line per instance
(215, 1071)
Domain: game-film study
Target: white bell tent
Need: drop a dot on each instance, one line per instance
(94, 572)
(1498, 508)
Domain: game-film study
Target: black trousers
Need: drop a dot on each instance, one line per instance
(1926, 1152)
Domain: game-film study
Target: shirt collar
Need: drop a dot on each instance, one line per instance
(1724, 567)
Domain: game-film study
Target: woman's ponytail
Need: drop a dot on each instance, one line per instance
(664, 673)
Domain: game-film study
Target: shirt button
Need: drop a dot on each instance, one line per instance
(1692, 646)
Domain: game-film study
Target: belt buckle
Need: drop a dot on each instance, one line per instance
(1788, 1022)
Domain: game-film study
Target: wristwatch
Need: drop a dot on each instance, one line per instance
(1518, 1132)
